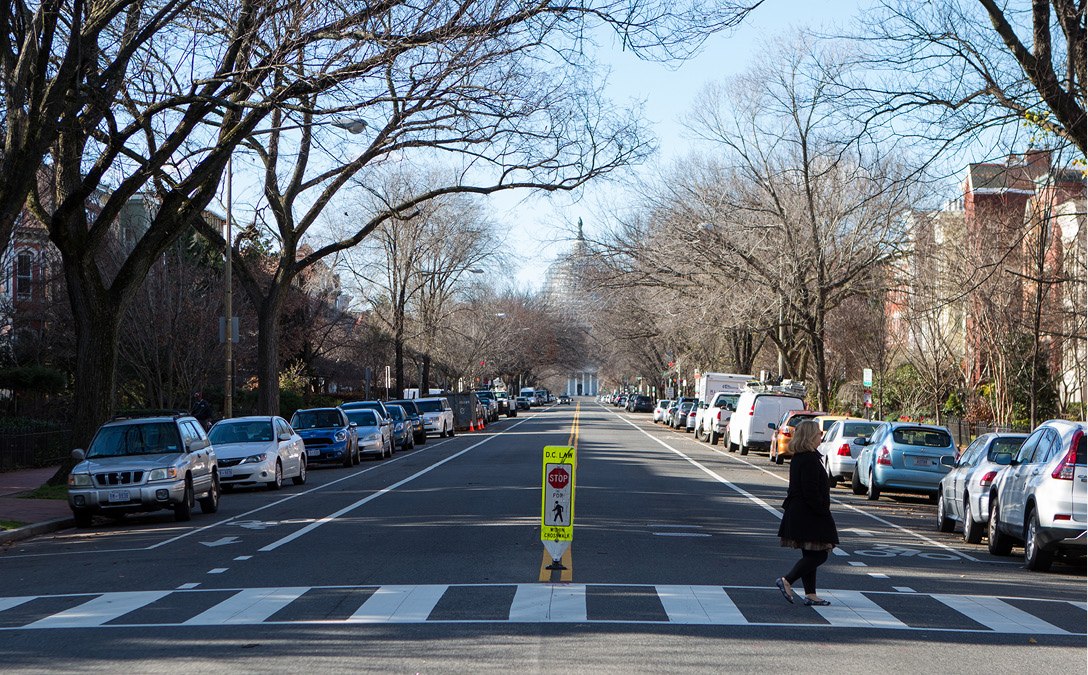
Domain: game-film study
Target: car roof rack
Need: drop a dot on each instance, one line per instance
(141, 413)
(793, 387)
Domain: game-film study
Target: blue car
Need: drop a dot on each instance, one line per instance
(903, 457)
(328, 434)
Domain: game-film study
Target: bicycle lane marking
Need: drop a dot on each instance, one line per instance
(351, 507)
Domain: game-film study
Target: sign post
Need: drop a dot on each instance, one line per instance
(557, 502)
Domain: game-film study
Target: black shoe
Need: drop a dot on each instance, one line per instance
(781, 583)
(817, 603)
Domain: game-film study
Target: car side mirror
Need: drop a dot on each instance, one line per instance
(78, 455)
(772, 425)
(352, 425)
(860, 441)
(948, 460)
(197, 445)
(284, 436)
(1004, 459)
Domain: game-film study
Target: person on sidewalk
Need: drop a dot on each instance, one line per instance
(806, 519)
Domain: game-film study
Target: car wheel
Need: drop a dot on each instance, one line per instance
(972, 531)
(184, 511)
(422, 439)
(855, 483)
(453, 432)
(349, 458)
(210, 504)
(300, 479)
(83, 518)
(944, 523)
(1035, 558)
(357, 456)
(714, 437)
(743, 448)
(730, 445)
(779, 458)
(277, 481)
(998, 543)
(873, 493)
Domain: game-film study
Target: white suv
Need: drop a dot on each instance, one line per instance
(712, 419)
(1039, 499)
(144, 464)
(437, 415)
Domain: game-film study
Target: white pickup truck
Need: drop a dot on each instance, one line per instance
(717, 394)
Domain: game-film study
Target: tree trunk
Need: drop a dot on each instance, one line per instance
(398, 361)
(268, 354)
(424, 386)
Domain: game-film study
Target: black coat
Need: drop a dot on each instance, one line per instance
(807, 508)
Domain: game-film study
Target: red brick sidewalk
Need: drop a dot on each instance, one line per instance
(29, 511)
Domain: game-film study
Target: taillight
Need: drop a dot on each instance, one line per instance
(844, 451)
(753, 410)
(1067, 467)
(785, 431)
(988, 479)
(885, 457)
(718, 416)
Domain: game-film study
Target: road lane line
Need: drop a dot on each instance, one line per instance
(853, 609)
(568, 604)
(998, 615)
(365, 500)
(405, 604)
(8, 603)
(100, 610)
(699, 605)
(250, 606)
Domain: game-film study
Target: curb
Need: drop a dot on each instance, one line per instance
(20, 533)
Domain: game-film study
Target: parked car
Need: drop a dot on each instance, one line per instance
(490, 404)
(692, 418)
(437, 415)
(680, 415)
(621, 401)
(507, 404)
(328, 434)
(522, 403)
(780, 439)
(965, 490)
(758, 412)
(903, 457)
(419, 431)
(403, 438)
(838, 450)
(660, 409)
(1039, 499)
(642, 403)
(375, 435)
(563, 398)
(670, 413)
(258, 450)
(144, 464)
(712, 419)
(379, 406)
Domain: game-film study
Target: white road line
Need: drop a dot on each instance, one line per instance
(699, 605)
(904, 589)
(878, 575)
(250, 606)
(853, 609)
(218, 570)
(998, 615)
(403, 604)
(531, 603)
(347, 509)
(100, 610)
(568, 603)
(186, 587)
(8, 603)
(855, 563)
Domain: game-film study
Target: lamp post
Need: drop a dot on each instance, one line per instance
(352, 126)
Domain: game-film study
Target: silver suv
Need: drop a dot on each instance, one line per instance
(144, 464)
(1039, 499)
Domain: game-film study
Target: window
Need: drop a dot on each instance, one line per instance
(1028, 447)
(1048, 447)
(24, 275)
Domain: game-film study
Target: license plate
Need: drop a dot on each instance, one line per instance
(226, 473)
(120, 496)
(924, 461)
(313, 452)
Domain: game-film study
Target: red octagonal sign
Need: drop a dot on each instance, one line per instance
(558, 478)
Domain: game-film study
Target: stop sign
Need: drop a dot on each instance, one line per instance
(558, 478)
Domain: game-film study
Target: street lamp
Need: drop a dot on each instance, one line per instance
(353, 126)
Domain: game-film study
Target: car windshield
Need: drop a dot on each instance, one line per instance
(241, 432)
(685, 406)
(316, 419)
(485, 395)
(858, 429)
(923, 438)
(429, 406)
(409, 406)
(363, 418)
(147, 438)
(395, 411)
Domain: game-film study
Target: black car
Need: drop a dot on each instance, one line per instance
(641, 403)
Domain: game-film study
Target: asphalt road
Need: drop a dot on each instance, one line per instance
(431, 562)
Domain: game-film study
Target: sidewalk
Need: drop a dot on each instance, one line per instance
(40, 515)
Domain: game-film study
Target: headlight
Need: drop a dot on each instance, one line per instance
(163, 474)
(253, 459)
(79, 480)
(400, 426)
(341, 435)
(372, 437)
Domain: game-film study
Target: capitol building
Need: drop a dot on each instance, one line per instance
(566, 293)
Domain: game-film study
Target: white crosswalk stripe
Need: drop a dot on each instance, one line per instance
(551, 603)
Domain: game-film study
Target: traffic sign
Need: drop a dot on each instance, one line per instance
(557, 499)
(867, 377)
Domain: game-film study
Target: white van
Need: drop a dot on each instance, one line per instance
(758, 412)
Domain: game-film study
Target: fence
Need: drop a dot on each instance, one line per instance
(28, 448)
(964, 432)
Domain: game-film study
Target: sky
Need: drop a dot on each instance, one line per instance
(538, 228)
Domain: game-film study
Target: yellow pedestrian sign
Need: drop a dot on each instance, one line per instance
(557, 499)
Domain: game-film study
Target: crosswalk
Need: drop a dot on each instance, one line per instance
(542, 603)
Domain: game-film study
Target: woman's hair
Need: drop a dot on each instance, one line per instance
(806, 436)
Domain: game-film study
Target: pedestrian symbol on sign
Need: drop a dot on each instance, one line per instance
(558, 514)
